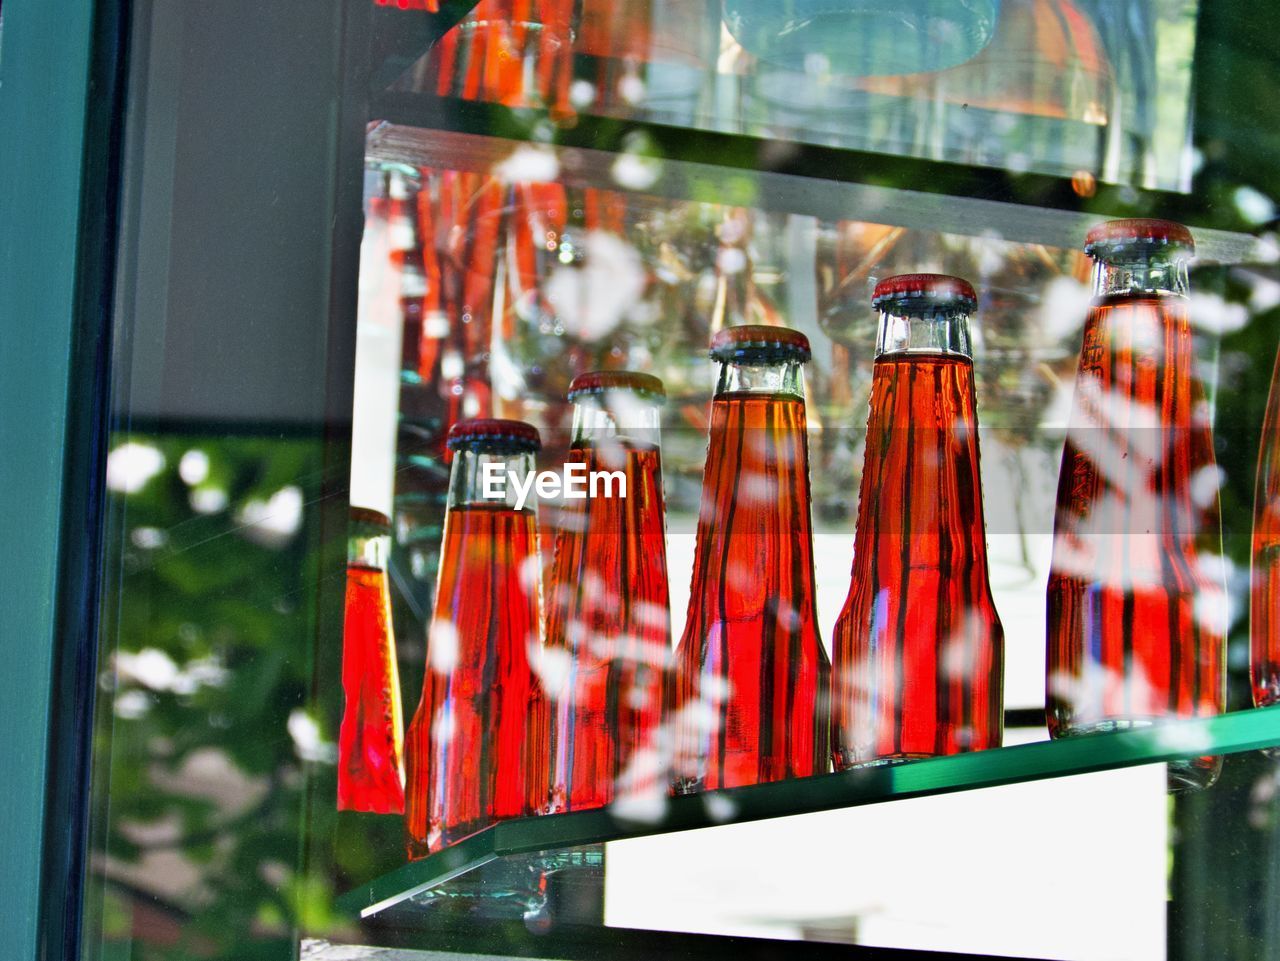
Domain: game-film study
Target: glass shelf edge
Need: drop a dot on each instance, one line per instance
(398, 142)
(1225, 734)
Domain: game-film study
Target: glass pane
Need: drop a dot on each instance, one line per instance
(1048, 86)
(327, 263)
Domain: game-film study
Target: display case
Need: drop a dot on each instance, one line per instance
(349, 234)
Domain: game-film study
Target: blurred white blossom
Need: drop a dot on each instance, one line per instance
(131, 465)
(273, 522)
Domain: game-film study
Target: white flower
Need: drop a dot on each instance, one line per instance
(131, 465)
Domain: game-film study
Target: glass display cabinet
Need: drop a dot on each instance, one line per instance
(340, 232)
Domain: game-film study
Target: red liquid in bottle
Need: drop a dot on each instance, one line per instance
(370, 762)
(750, 697)
(474, 749)
(1136, 615)
(1264, 624)
(919, 646)
(608, 620)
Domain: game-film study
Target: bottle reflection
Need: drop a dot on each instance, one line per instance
(371, 738)
(1264, 622)
(608, 635)
(1137, 595)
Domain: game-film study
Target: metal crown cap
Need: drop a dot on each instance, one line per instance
(759, 342)
(494, 436)
(1137, 233)
(602, 381)
(935, 290)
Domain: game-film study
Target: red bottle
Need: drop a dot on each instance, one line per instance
(475, 747)
(608, 638)
(371, 738)
(750, 698)
(1264, 621)
(919, 650)
(1136, 602)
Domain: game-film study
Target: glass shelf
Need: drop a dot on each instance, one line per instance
(1049, 88)
(1227, 734)
(678, 164)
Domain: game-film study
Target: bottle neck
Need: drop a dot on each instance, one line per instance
(484, 479)
(921, 484)
(754, 526)
(926, 331)
(368, 550)
(781, 377)
(1152, 277)
(615, 415)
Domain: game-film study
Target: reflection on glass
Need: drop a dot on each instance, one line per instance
(608, 634)
(1137, 595)
(571, 289)
(863, 37)
(205, 743)
(1047, 60)
(919, 649)
(1264, 624)
(371, 739)
(513, 52)
(1095, 88)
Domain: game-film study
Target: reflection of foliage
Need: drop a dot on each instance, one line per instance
(1227, 841)
(205, 671)
(1225, 878)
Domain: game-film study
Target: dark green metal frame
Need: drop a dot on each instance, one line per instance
(60, 70)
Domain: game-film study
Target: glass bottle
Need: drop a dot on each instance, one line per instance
(919, 649)
(371, 737)
(749, 703)
(1264, 598)
(1137, 592)
(608, 637)
(475, 747)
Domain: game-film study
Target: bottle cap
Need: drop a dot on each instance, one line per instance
(367, 522)
(932, 291)
(1111, 238)
(602, 381)
(493, 436)
(760, 343)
